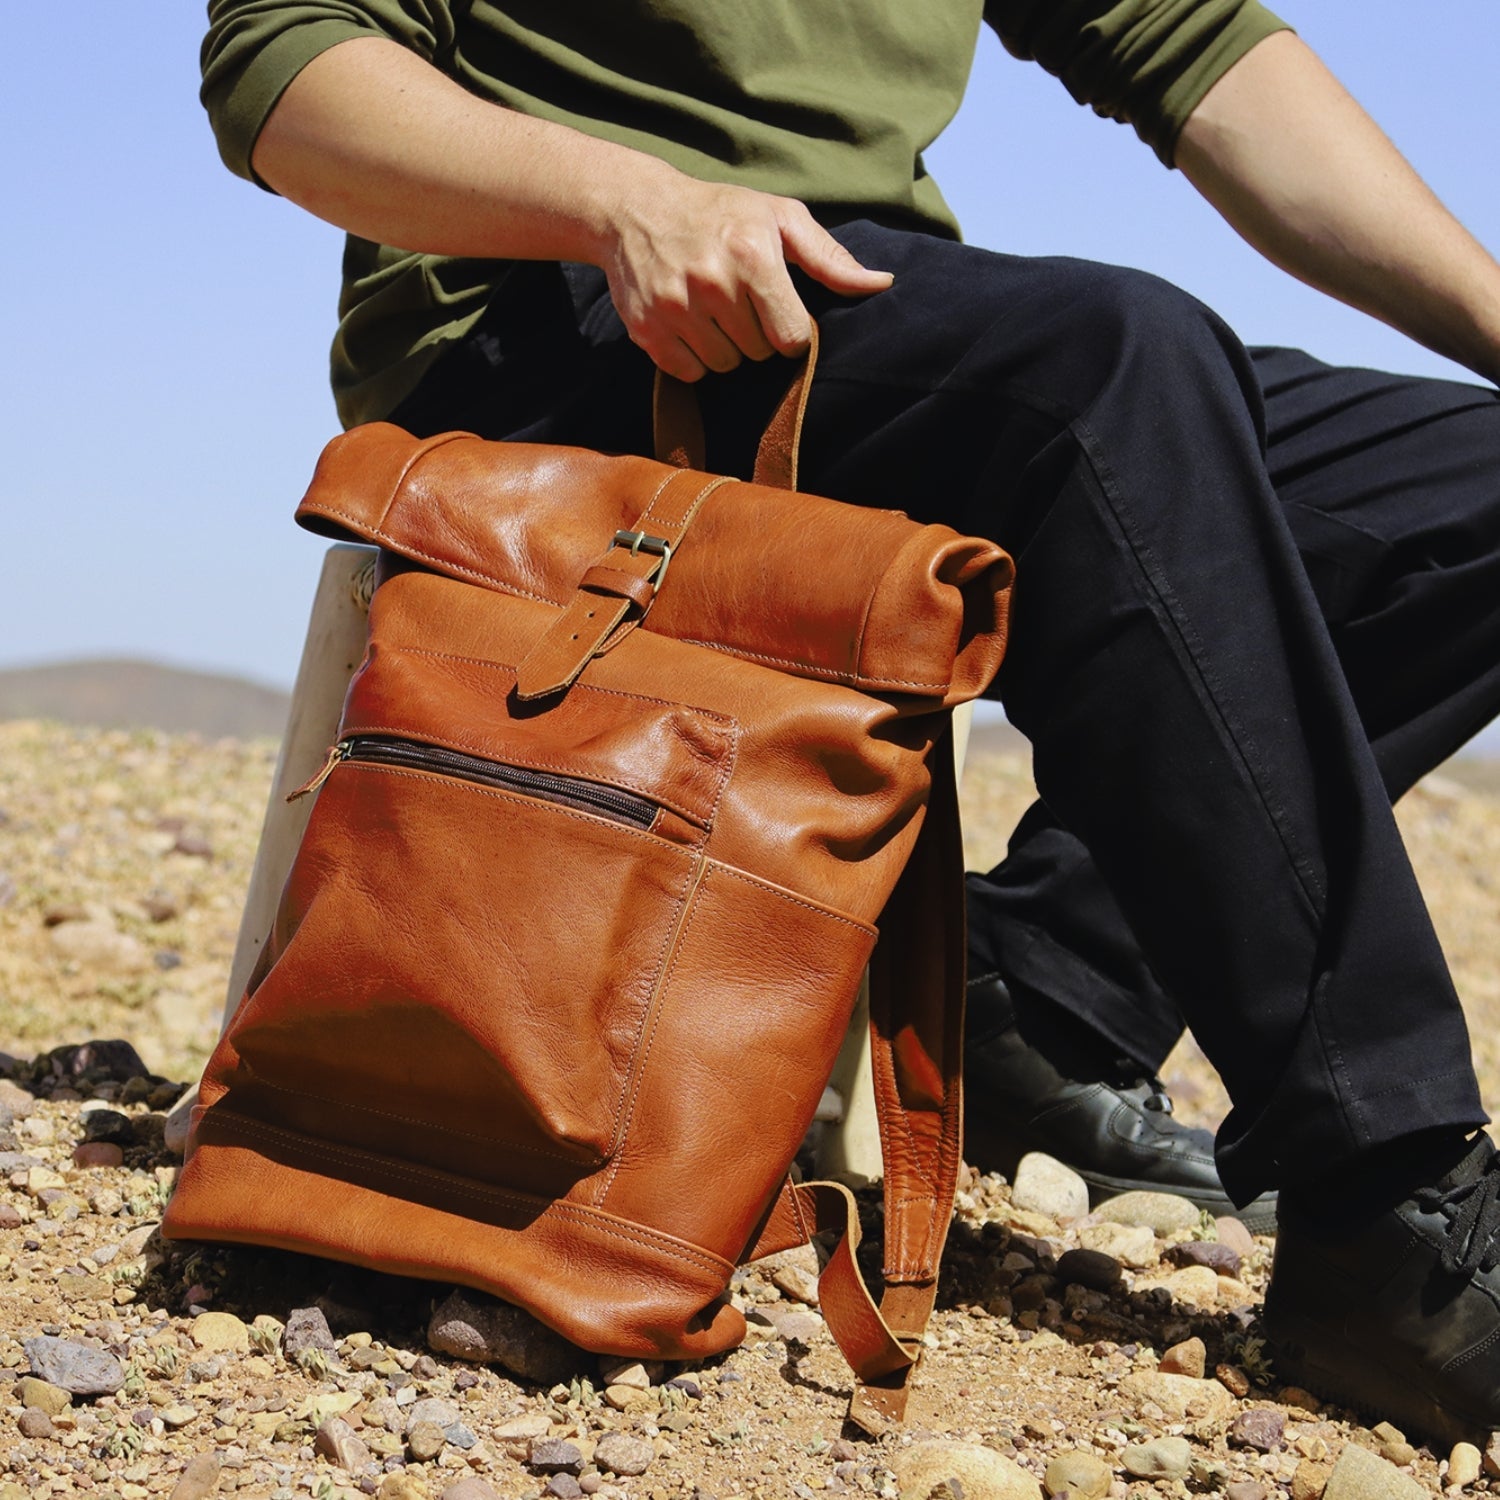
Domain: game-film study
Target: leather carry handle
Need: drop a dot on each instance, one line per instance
(677, 424)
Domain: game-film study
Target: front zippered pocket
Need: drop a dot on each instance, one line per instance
(546, 786)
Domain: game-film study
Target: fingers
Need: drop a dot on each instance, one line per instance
(807, 244)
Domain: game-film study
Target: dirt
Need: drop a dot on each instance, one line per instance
(149, 837)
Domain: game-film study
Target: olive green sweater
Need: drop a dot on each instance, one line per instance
(828, 101)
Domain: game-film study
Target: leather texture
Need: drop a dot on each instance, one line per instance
(565, 1055)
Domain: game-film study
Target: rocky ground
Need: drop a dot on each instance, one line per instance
(1106, 1354)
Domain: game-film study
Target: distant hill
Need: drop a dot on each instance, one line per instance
(130, 694)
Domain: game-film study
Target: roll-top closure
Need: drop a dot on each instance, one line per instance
(755, 572)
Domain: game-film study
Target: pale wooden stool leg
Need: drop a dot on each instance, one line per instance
(332, 651)
(848, 1149)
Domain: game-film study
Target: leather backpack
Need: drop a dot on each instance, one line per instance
(636, 760)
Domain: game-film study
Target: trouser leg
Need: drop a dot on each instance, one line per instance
(1169, 662)
(1391, 489)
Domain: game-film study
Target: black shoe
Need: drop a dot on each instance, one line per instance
(1399, 1318)
(1116, 1132)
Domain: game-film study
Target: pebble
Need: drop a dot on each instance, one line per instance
(530, 1424)
(1133, 1245)
(220, 1333)
(633, 1373)
(1490, 1461)
(1310, 1479)
(1260, 1428)
(108, 1125)
(1463, 1466)
(1161, 1458)
(1193, 1286)
(563, 1487)
(1187, 1358)
(554, 1455)
(338, 1442)
(1215, 1254)
(1299, 1400)
(1233, 1379)
(796, 1283)
(435, 1410)
(200, 1479)
(1091, 1268)
(97, 1154)
(471, 1488)
(35, 1423)
(1362, 1475)
(74, 1367)
(982, 1474)
(10, 1217)
(307, 1328)
(488, 1331)
(1044, 1185)
(1393, 1444)
(16, 1101)
(619, 1453)
(1232, 1232)
(51, 1399)
(1244, 1489)
(424, 1441)
(178, 1415)
(794, 1325)
(1077, 1473)
(98, 946)
(1161, 1213)
(1180, 1397)
(401, 1487)
(627, 1398)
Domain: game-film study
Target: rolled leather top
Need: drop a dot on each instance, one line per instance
(868, 598)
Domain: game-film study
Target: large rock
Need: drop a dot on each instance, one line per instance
(74, 1367)
(307, 1328)
(1045, 1186)
(200, 1479)
(982, 1473)
(338, 1442)
(219, 1333)
(1181, 1397)
(1161, 1213)
(1362, 1475)
(487, 1331)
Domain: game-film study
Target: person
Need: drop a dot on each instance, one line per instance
(1255, 594)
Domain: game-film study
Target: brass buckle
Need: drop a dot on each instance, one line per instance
(643, 541)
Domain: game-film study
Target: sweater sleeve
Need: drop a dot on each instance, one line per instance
(254, 48)
(1144, 62)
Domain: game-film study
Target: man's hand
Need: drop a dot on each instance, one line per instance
(699, 276)
(1304, 174)
(373, 139)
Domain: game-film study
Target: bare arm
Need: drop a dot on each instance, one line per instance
(1304, 174)
(374, 139)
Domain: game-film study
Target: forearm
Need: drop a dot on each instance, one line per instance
(1299, 169)
(431, 168)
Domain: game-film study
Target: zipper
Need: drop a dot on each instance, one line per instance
(568, 791)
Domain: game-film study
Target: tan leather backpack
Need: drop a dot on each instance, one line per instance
(636, 759)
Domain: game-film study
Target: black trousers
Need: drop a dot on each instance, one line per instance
(1211, 627)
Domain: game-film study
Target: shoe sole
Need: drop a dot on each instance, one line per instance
(1373, 1390)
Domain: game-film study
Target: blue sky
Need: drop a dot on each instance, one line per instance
(166, 326)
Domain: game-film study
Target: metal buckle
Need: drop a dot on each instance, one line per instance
(643, 541)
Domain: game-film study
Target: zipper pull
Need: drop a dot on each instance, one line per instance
(336, 753)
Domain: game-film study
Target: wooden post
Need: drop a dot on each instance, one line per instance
(333, 649)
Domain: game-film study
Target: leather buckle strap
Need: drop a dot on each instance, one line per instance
(625, 578)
